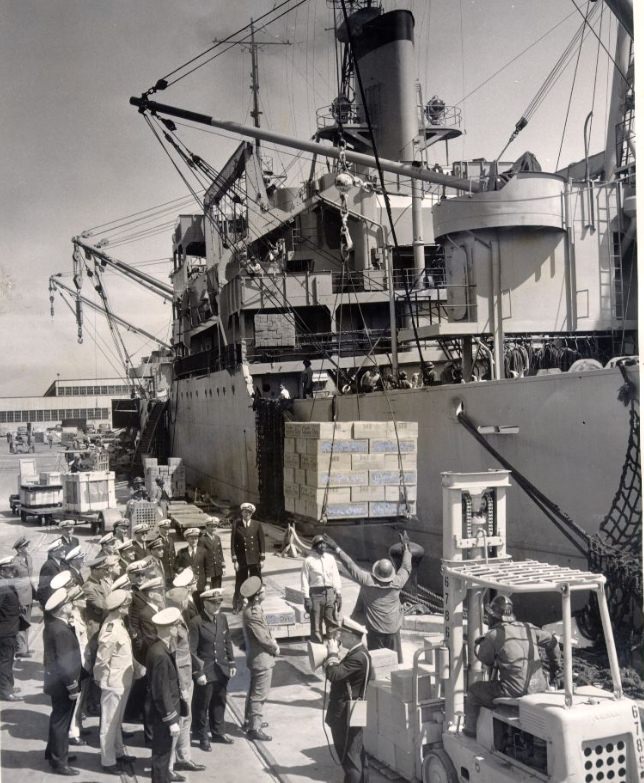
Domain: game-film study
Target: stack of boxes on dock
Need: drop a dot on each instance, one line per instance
(360, 462)
(91, 490)
(173, 474)
(397, 728)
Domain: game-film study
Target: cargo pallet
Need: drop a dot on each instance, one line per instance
(45, 514)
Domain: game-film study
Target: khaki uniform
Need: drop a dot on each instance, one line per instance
(113, 672)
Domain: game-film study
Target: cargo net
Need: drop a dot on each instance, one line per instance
(616, 549)
(269, 421)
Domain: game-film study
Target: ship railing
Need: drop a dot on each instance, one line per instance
(441, 304)
(209, 361)
(321, 344)
(359, 280)
(327, 117)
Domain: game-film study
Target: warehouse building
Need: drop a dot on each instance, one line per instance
(87, 399)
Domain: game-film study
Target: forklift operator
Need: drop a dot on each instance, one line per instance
(511, 647)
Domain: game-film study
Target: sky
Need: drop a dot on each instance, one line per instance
(76, 155)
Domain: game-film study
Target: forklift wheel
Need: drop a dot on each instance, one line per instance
(438, 768)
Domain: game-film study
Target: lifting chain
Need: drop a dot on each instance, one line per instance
(344, 181)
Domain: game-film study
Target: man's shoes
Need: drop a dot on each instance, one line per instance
(204, 744)
(189, 766)
(113, 769)
(246, 725)
(65, 771)
(224, 739)
(259, 734)
(11, 697)
(175, 777)
(77, 741)
(126, 759)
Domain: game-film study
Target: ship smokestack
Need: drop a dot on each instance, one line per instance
(384, 51)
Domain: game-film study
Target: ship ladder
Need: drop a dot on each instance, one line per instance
(149, 432)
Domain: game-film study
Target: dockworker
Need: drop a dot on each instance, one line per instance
(181, 758)
(194, 556)
(52, 566)
(306, 379)
(261, 651)
(139, 491)
(156, 548)
(67, 534)
(160, 494)
(73, 563)
(213, 664)
(11, 621)
(120, 528)
(512, 648)
(113, 673)
(322, 590)
(23, 570)
(169, 554)
(349, 678)
(126, 554)
(381, 595)
(247, 548)
(164, 693)
(139, 544)
(108, 544)
(212, 543)
(62, 664)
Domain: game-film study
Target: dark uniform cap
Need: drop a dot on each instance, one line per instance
(156, 542)
(21, 542)
(138, 482)
(251, 587)
(121, 523)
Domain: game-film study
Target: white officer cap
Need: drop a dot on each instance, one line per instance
(216, 594)
(122, 583)
(74, 553)
(164, 523)
(212, 520)
(348, 624)
(57, 544)
(191, 531)
(67, 523)
(63, 579)
(248, 507)
(184, 578)
(165, 617)
(151, 584)
(116, 598)
(106, 538)
(6, 561)
(137, 565)
(122, 545)
(56, 599)
(142, 528)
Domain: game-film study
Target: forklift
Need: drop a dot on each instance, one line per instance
(571, 735)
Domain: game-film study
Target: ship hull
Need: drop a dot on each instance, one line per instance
(569, 438)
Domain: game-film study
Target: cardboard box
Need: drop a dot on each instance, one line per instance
(289, 504)
(396, 494)
(289, 476)
(368, 462)
(293, 596)
(366, 494)
(348, 478)
(300, 476)
(382, 660)
(337, 447)
(387, 509)
(289, 445)
(391, 446)
(292, 460)
(391, 477)
(326, 462)
(291, 490)
(302, 445)
(339, 430)
(346, 510)
(392, 461)
(402, 686)
(334, 494)
(370, 429)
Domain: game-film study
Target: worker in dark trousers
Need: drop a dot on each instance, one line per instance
(381, 595)
(11, 623)
(194, 556)
(512, 648)
(23, 570)
(164, 694)
(169, 555)
(322, 590)
(348, 678)
(62, 663)
(247, 549)
(70, 541)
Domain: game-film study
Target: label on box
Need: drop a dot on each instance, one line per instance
(292, 460)
(391, 446)
(391, 477)
(338, 446)
(365, 494)
(325, 461)
(369, 462)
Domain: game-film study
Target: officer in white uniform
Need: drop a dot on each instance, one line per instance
(113, 671)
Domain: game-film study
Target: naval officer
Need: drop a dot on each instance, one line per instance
(11, 623)
(247, 548)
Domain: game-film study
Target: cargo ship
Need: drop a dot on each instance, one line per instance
(491, 303)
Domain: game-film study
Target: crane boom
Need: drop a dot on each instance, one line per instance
(54, 284)
(147, 281)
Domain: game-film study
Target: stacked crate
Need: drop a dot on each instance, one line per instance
(359, 461)
(174, 475)
(397, 730)
(91, 490)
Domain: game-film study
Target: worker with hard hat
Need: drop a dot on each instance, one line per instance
(213, 665)
(247, 548)
(164, 692)
(349, 677)
(380, 591)
(261, 650)
(322, 590)
(114, 672)
(512, 648)
(62, 665)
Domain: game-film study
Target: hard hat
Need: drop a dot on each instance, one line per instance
(138, 481)
(318, 540)
(383, 570)
(500, 606)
